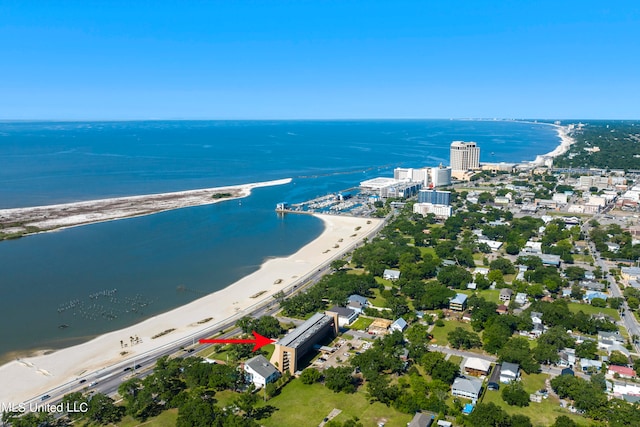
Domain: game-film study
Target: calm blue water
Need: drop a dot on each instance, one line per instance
(47, 278)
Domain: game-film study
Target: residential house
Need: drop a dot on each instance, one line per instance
(550, 259)
(443, 423)
(622, 371)
(472, 285)
(391, 274)
(567, 357)
(476, 366)
(484, 271)
(509, 372)
(458, 303)
(346, 316)
(606, 340)
(568, 371)
(613, 247)
(502, 309)
(260, 372)
(590, 365)
(591, 285)
(588, 275)
(422, 419)
(505, 294)
(398, 325)
(590, 295)
(357, 303)
(521, 298)
(466, 387)
(630, 273)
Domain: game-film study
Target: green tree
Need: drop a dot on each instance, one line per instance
(564, 421)
(460, 338)
(515, 395)
(489, 415)
(339, 380)
(617, 358)
(310, 376)
(103, 410)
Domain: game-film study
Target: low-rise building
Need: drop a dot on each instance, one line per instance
(422, 419)
(391, 274)
(521, 298)
(476, 366)
(346, 316)
(260, 372)
(458, 303)
(590, 365)
(505, 294)
(399, 325)
(509, 372)
(622, 371)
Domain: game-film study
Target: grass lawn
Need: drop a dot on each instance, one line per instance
(166, 419)
(575, 307)
(385, 282)
(541, 414)
(491, 295)
(440, 333)
(583, 258)
(361, 324)
(377, 300)
(455, 359)
(307, 405)
(427, 250)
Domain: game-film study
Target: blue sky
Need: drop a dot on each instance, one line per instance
(319, 59)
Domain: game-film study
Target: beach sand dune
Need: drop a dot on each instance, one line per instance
(25, 379)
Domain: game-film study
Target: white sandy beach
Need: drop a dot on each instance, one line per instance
(565, 142)
(31, 377)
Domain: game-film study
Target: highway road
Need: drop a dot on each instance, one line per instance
(108, 379)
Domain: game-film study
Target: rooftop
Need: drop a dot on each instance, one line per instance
(305, 331)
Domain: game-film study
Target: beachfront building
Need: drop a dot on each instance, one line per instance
(464, 156)
(260, 372)
(290, 348)
(390, 187)
(440, 176)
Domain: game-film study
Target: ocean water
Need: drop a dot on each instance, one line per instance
(102, 277)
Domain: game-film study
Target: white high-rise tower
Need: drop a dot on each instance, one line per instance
(464, 156)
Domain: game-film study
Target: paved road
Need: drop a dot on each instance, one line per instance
(628, 320)
(107, 380)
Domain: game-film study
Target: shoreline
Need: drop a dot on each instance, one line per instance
(566, 142)
(20, 222)
(29, 377)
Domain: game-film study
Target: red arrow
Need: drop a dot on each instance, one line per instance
(259, 341)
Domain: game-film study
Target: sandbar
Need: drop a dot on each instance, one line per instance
(30, 220)
(28, 378)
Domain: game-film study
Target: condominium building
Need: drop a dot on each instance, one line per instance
(464, 156)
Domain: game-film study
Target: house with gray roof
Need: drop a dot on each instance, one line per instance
(391, 274)
(398, 325)
(466, 387)
(422, 419)
(260, 372)
(509, 372)
(346, 316)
